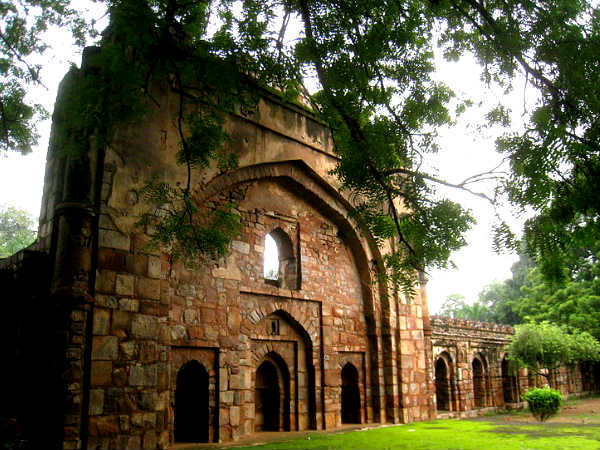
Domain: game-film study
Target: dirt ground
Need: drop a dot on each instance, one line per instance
(576, 411)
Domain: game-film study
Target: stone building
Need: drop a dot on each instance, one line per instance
(113, 345)
(472, 373)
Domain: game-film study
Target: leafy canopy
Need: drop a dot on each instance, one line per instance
(373, 65)
(543, 348)
(17, 230)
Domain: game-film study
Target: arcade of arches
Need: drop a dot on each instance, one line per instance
(472, 372)
(154, 351)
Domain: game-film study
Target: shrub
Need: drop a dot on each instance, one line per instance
(543, 402)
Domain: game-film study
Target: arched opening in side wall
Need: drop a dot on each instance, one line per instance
(479, 397)
(510, 386)
(350, 395)
(442, 385)
(280, 267)
(191, 403)
(272, 395)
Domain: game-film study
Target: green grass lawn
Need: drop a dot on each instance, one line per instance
(480, 434)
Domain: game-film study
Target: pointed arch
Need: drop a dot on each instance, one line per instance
(283, 272)
(350, 394)
(479, 373)
(302, 180)
(443, 382)
(191, 403)
(272, 394)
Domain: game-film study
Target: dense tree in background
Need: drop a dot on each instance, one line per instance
(457, 307)
(575, 303)
(543, 348)
(373, 65)
(17, 230)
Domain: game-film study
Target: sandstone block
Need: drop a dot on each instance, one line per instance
(226, 397)
(106, 301)
(105, 281)
(149, 440)
(241, 247)
(147, 400)
(154, 267)
(101, 321)
(136, 376)
(137, 264)
(144, 327)
(129, 304)
(105, 348)
(101, 373)
(124, 284)
(134, 443)
(234, 415)
(189, 315)
(96, 402)
(114, 239)
(124, 423)
(148, 288)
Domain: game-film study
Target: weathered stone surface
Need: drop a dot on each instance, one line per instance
(114, 239)
(154, 316)
(96, 402)
(145, 327)
(101, 321)
(148, 288)
(154, 267)
(124, 284)
(101, 373)
(105, 347)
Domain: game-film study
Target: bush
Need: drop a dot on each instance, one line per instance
(543, 402)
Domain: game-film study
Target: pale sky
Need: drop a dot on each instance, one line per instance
(464, 151)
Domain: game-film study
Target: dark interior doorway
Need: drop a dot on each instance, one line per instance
(267, 398)
(478, 384)
(442, 386)
(350, 395)
(191, 403)
(509, 383)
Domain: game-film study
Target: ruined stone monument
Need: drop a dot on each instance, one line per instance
(114, 345)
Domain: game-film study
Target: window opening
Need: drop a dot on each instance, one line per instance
(274, 327)
(280, 266)
(271, 267)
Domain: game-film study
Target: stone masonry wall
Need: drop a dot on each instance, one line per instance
(137, 317)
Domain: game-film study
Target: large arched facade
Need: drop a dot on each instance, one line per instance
(147, 314)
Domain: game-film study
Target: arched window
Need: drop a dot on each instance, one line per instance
(280, 267)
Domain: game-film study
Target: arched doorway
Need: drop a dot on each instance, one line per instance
(478, 384)
(350, 395)
(191, 403)
(272, 395)
(509, 383)
(442, 385)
